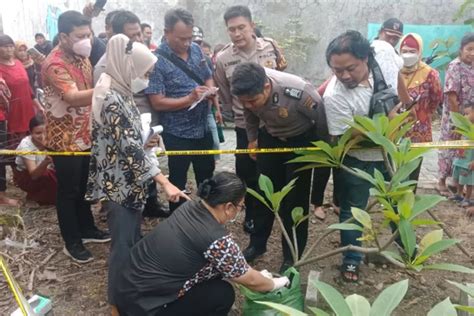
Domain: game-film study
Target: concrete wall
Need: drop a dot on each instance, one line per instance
(322, 19)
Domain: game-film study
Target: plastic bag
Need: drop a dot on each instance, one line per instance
(291, 296)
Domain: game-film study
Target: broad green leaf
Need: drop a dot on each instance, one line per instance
(404, 172)
(324, 147)
(445, 308)
(266, 185)
(383, 141)
(424, 222)
(408, 236)
(343, 226)
(468, 309)
(405, 205)
(334, 299)
(317, 311)
(297, 214)
(392, 255)
(364, 175)
(431, 238)
(395, 124)
(449, 267)
(424, 203)
(379, 178)
(362, 217)
(359, 305)
(469, 290)
(415, 153)
(259, 197)
(438, 247)
(304, 218)
(392, 216)
(363, 124)
(389, 299)
(279, 196)
(324, 160)
(286, 310)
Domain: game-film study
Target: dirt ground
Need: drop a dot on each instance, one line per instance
(81, 289)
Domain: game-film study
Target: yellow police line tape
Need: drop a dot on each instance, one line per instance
(20, 299)
(457, 144)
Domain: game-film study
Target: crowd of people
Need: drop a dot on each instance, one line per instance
(107, 95)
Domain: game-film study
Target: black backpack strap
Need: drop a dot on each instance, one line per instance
(379, 80)
(178, 62)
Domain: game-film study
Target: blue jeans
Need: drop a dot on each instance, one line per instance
(354, 192)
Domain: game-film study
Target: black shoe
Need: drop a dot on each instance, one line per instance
(95, 236)
(155, 209)
(251, 253)
(285, 266)
(78, 253)
(249, 227)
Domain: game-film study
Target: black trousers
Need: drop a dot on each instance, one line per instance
(246, 169)
(210, 298)
(74, 213)
(124, 226)
(320, 180)
(275, 167)
(203, 165)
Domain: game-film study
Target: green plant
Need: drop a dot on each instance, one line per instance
(385, 303)
(464, 11)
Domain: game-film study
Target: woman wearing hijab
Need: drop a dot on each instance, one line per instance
(121, 165)
(22, 55)
(458, 95)
(423, 84)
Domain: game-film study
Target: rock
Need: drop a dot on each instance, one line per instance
(311, 298)
(422, 281)
(379, 286)
(370, 282)
(361, 283)
(371, 265)
(384, 266)
(378, 270)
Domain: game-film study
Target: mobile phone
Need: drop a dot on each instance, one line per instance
(34, 52)
(412, 104)
(99, 5)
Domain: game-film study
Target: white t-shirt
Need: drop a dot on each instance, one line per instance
(26, 144)
(341, 104)
(389, 61)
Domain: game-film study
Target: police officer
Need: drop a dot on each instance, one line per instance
(281, 110)
(245, 46)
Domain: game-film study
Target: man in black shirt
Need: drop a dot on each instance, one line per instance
(42, 45)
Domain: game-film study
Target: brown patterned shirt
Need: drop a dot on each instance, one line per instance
(67, 127)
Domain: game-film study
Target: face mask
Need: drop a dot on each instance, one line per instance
(83, 47)
(409, 59)
(139, 84)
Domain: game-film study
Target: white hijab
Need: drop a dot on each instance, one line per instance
(126, 61)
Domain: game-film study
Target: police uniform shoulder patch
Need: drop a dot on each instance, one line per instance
(232, 63)
(294, 93)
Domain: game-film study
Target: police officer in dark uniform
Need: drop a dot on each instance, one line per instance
(281, 110)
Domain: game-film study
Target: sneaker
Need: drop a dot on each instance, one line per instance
(95, 236)
(78, 253)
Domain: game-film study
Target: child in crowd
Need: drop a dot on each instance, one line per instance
(35, 174)
(463, 173)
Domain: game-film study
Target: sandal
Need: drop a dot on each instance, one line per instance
(350, 272)
(319, 213)
(456, 198)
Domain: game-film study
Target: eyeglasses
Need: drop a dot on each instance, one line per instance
(243, 208)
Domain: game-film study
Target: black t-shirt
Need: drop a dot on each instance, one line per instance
(98, 49)
(186, 249)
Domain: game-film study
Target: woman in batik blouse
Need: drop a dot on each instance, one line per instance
(122, 166)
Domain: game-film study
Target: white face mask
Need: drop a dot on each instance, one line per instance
(410, 59)
(139, 84)
(82, 48)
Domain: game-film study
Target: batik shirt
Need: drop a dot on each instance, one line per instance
(67, 127)
(120, 169)
(172, 82)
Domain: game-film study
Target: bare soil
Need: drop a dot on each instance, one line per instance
(81, 289)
